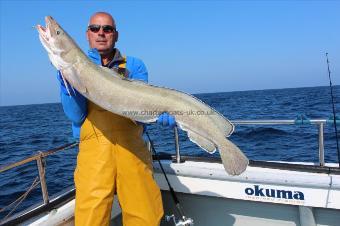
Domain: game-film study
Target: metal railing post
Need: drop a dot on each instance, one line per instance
(321, 146)
(41, 169)
(178, 154)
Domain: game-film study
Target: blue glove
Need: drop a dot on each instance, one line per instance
(166, 119)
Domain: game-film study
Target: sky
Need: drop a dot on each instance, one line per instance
(192, 46)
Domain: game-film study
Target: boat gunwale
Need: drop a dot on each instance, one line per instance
(67, 196)
(308, 168)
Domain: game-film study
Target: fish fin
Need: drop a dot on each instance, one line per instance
(74, 92)
(201, 141)
(234, 161)
(65, 84)
(228, 128)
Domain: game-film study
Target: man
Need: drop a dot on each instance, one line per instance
(112, 154)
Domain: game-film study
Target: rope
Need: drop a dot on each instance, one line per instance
(36, 181)
(21, 198)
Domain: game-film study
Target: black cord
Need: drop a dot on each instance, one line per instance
(172, 192)
(334, 114)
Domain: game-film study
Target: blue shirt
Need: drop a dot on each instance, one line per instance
(75, 106)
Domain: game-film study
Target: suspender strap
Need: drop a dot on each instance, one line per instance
(122, 68)
(123, 64)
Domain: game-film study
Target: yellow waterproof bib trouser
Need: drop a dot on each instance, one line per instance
(113, 158)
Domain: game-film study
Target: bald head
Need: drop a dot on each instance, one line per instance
(102, 40)
(102, 15)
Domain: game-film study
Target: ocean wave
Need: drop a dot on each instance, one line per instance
(261, 132)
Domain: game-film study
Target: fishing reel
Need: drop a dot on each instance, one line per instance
(180, 222)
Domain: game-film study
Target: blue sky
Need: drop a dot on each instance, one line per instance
(193, 46)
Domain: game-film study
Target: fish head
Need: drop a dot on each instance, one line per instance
(57, 43)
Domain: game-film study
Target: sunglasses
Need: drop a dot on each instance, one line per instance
(96, 28)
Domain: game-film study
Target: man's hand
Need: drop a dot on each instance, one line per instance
(166, 119)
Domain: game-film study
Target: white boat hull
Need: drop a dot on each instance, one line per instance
(259, 196)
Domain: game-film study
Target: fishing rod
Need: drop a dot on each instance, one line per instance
(185, 220)
(334, 114)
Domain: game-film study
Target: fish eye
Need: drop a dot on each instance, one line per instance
(58, 32)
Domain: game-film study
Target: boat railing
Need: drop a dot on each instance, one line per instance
(302, 120)
(39, 158)
(41, 155)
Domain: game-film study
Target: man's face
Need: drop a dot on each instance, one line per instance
(102, 40)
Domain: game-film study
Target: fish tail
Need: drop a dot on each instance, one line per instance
(234, 161)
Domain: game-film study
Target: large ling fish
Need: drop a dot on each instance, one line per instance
(205, 126)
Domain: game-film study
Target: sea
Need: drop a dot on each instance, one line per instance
(27, 129)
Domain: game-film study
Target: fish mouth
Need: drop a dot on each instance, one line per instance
(42, 33)
(45, 32)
